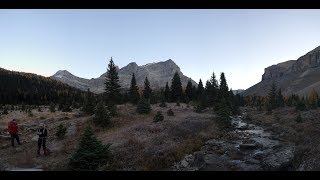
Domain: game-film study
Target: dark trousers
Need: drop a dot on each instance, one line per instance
(14, 136)
(42, 142)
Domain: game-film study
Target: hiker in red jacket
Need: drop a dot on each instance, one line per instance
(13, 130)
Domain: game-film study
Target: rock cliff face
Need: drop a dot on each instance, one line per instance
(293, 76)
(158, 74)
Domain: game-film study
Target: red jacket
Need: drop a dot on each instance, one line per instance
(12, 127)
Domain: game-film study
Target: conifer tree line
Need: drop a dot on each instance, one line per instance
(18, 88)
(275, 99)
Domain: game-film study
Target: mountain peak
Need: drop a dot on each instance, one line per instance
(62, 73)
(158, 74)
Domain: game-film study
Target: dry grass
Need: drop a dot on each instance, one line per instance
(138, 143)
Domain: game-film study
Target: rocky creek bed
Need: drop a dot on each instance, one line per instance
(248, 147)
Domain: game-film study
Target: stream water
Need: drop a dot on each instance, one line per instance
(248, 148)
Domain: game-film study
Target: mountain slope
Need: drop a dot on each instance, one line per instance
(28, 88)
(293, 77)
(158, 74)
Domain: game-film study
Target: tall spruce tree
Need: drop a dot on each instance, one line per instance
(89, 103)
(272, 103)
(90, 154)
(176, 88)
(167, 93)
(189, 91)
(223, 87)
(112, 86)
(147, 91)
(280, 99)
(214, 89)
(200, 90)
(134, 91)
(102, 116)
(143, 106)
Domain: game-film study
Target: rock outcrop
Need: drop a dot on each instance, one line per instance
(293, 76)
(158, 74)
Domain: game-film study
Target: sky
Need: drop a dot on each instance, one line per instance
(240, 43)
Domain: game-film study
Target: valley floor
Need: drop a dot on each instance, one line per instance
(137, 143)
(176, 143)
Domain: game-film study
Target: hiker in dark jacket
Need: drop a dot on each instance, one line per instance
(42, 132)
(13, 130)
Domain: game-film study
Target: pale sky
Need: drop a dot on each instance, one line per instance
(240, 43)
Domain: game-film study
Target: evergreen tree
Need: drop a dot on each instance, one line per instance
(61, 131)
(90, 154)
(126, 98)
(299, 119)
(143, 106)
(170, 112)
(224, 113)
(52, 107)
(167, 93)
(176, 88)
(211, 90)
(200, 90)
(223, 88)
(102, 116)
(5, 110)
(158, 117)
(163, 100)
(134, 91)
(271, 104)
(201, 98)
(30, 114)
(313, 98)
(280, 99)
(67, 107)
(301, 106)
(147, 91)
(89, 106)
(189, 91)
(112, 86)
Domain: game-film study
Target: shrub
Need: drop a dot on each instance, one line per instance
(163, 104)
(143, 106)
(299, 119)
(61, 131)
(52, 107)
(178, 103)
(5, 110)
(198, 108)
(102, 116)
(158, 117)
(170, 112)
(90, 154)
(30, 113)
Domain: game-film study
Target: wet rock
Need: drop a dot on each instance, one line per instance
(72, 129)
(198, 160)
(258, 155)
(252, 161)
(18, 149)
(35, 138)
(235, 154)
(55, 146)
(184, 163)
(5, 137)
(247, 146)
(280, 159)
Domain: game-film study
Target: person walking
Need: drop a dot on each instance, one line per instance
(13, 131)
(43, 133)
